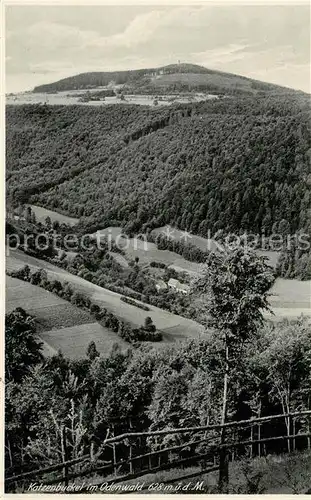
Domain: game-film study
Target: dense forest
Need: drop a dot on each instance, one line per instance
(232, 164)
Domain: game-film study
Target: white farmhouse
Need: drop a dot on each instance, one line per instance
(179, 287)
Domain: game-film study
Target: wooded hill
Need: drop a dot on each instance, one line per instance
(174, 77)
(231, 164)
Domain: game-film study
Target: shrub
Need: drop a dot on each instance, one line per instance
(161, 265)
(132, 302)
(109, 320)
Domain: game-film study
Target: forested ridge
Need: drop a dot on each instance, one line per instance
(168, 79)
(232, 164)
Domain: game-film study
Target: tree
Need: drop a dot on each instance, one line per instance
(80, 300)
(165, 410)
(61, 438)
(33, 218)
(234, 288)
(56, 287)
(92, 351)
(48, 223)
(287, 363)
(149, 326)
(22, 350)
(22, 274)
(95, 310)
(38, 277)
(55, 225)
(28, 215)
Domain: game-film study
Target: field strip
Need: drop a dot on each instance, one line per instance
(49, 309)
(47, 349)
(42, 213)
(60, 324)
(13, 301)
(73, 341)
(284, 312)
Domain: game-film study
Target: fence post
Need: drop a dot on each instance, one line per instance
(131, 451)
(251, 445)
(259, 428)
(223, 478)
(64, 454)
(114, 454)
(223, 470)
(159, 455)
(289, 433)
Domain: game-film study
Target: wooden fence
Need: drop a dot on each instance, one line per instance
(123, 460)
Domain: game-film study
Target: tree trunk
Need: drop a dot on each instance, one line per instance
(223, 454)
(114, 455)
(288, 428)
(64, 453)
(259, 430)
(10, 453)
(251, 445)
(294, 434)
(308, 425)
(130, 450)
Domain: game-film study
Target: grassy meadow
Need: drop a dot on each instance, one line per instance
(59, 324)
(42, 213)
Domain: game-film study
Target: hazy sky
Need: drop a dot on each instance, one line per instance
(46, 43)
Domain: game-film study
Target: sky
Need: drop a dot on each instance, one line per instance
(46, 43)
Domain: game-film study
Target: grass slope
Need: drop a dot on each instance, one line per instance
(73, 341)
(59, 324)
(50, 311)
(277, 474)
(206, 244)
(148, 252)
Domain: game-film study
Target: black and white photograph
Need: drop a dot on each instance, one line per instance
(157, 192)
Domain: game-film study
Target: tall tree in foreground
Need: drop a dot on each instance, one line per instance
(286, 361)
(234, 290)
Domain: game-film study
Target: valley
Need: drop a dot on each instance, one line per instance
(146, 327)
(164, 321)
